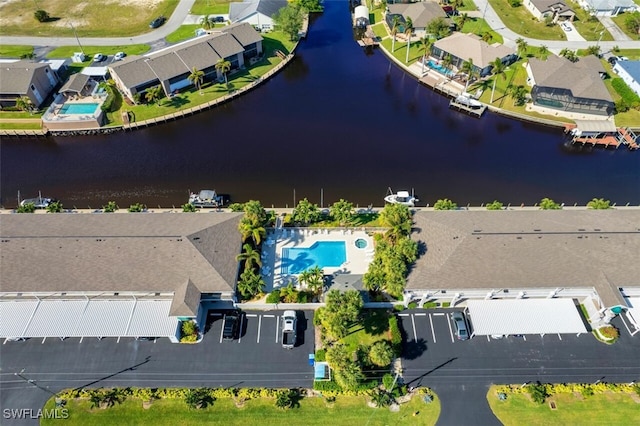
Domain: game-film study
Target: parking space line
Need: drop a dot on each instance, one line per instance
(5, 341)
(439, 314)
(252, 315)
(259, 325)
(415, 335)
(81, 339)
(626, 326)
(403, 315)
(44, 340)
(240, 331)
(433, 333)
(277, 328)
(488, 340)
(559, 336)
(524, 337)
(422, 314)
(222, 329)
(118, 340)
(450, 330)
(268, 316)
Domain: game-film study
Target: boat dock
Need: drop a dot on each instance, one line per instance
(369, 38)
(474, 111)
(582, 133)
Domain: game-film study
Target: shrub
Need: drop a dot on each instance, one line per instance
(396, 335)
(321, 355)
(55, 207)
(189, 208)
(236, 207)
(113, 100)
(41, 15)
(609, 332)
(549, 204)
(111, 207)
(387, 381)
(274, 296)
(381, 353)
(136, 208)
(599, 204)
(538, 392)
(587, 391)
(27, 208)
(515, 3)
(445, 204)
(495, 205)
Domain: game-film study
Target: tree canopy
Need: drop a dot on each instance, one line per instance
(289, 19)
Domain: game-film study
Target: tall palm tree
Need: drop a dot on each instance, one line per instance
(543, 51)
(463, 19)
(23, 103)
(206, 22)
(447, 60)
(518, 93)
(408, 30)
(469, 69)
(395, 23)
(196, 78)
(223, 66)
(250, 229)
(425, 47)
(497, 70)
(250, 256)
(153, 94)
(522, 46)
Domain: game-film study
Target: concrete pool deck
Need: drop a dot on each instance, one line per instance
(357, 262)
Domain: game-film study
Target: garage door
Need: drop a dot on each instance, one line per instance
(524, 316)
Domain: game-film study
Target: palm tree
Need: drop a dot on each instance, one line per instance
(250, 229)
(447, 60)
(23, 103)
(223, 66)
(469, 70)
(408, 30)
(196, 78)
(463, 19)
(543, 51)
(425, 47)
(153, 93)
(522, 47)
(498, 69)
(206, 22)
(395, 23)
(250, 256)
(518, 93)
(486, 36)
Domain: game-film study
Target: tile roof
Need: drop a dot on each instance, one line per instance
(152, 252)
(421, 13)
(15, 77)
(582, 78)
(528, 249)
(470, 46)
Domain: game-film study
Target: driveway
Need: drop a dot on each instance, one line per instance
(256, 359)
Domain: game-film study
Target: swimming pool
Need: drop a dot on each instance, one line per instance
(441, 69)
(322, 254)
(88, 108)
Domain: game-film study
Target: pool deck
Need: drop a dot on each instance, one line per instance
(357, 262)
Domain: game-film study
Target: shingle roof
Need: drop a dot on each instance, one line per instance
(240, 11)
(153, 252)
(470, 46)
(244, 33)
(582, 78)
(225, 45)
(186, 300)
(528, 249)
(15, 77)
(546, 5)
(167, 66)
(199, 56)
(75, 83)
(631, 67)
(133, 70)
(421, 13)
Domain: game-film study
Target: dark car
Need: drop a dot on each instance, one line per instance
(157, 22)
(219, 19)
(231, 325)
(460, 323)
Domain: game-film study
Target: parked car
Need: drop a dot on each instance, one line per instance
(119, 56)
(231, 325)
(565, 26)
(99, 57)
(612, 60)
(460, 323)
(289, 329)
(218, 19)
(157, 22)
(623, 58)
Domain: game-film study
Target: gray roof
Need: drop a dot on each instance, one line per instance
(75, 83)
(167, 66)
(15, 77)
(244, 33)
(582, 78)
(610, 4)
(631, 67)
(141, 252)
(421, 13)
(551, 5)
(470, 46)
(186, 300)
(240, 11)
(528, 249)
(133, 71)
(226, 45)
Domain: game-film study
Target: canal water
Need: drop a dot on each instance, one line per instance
(338, 122)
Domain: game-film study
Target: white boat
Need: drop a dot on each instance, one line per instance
(401, 197)
(468, 101)
(40, 202)
(208, 198)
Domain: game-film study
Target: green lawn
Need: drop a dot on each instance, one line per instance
(619, 20)
(520, 20)
(89, 18)
(599, 409)
(347, 411)
(479, 26)
(211, 7)
(400, 52)
(21, 126)
(14, 51)
(184, 32)
(373, 327)
(89, 51)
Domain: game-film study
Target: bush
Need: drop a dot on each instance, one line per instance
(396, 335)
(236, 207)
(387, 381)
(274, 296)
(515, 3)
(41, 15)
(538, 392)
(189, 208)
(136, 208)
(609, 332)
(628, 95)
(321, 355)
(111, 207)
(381, 353)
(113, 100)
(27, 208)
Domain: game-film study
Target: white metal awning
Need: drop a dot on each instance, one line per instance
(86, 318)
(524, 316)
(633, 311)
(95, 71)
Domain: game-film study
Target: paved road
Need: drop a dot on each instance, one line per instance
(172, 24)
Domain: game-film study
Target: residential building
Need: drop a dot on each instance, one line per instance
(258, 13)
(558, 83)
(172, 66)
(26, 78)
(556, 9)
(112, 275)
(608, 7)
(463, 47)
(421, 14)
(629, 71)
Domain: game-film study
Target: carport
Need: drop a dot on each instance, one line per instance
(524, 316)
(633, 312)
(82, 317)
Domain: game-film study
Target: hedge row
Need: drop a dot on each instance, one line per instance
(175, 393)
(625, 91)
(331, 388)
(567, 388)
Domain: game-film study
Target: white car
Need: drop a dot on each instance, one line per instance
(565, 27)
(119, 56)
(99, 57)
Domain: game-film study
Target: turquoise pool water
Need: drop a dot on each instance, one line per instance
(78, 108)
(322, 254)
(440, 68)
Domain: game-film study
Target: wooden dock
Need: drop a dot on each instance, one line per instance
(623, 136)
(476, 112)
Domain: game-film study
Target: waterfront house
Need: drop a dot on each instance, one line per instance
(560, 84)
(629, 71)
(463, 46)
(608, 7)
(172, 66)
(26, 78)
(421, 14)
(258, 13)
(115, 275)
(557, 9)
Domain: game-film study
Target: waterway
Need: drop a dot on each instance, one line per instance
(338, 121)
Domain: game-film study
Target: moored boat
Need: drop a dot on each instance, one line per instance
(39, 202)
(208, 198)
(401, 197)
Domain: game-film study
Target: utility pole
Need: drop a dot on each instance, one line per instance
(77, 39)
